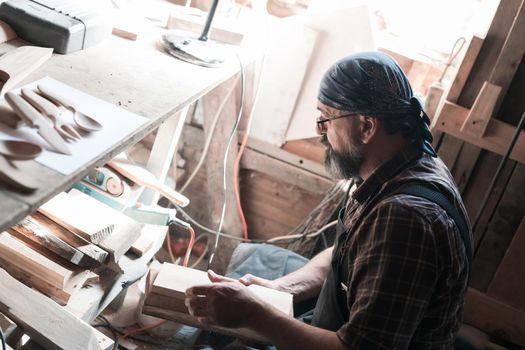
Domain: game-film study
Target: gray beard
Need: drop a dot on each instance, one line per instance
(344, 165)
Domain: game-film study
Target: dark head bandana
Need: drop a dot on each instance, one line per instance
(372, 84)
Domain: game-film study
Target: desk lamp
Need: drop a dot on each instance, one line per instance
(200, 51)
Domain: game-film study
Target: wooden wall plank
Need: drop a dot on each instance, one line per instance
(490, 50)
(508, 283)
(500, 231)
(284, 172)
(268, 204)
(492, 316)
(478, 185)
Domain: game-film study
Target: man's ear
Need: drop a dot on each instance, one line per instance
(369, 127)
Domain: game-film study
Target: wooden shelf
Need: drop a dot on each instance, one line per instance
(137, 76)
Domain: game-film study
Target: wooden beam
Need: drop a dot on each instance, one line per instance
(30, 228)
(510, 55)
(19, 254)
(490, 315)
(89, 249)
(45, 321)
(506, 286)
(480, 114)
(499, 232)
(76, 217)
(497, 135)
(471, 54)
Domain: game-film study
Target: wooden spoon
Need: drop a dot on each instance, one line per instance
(19, 150)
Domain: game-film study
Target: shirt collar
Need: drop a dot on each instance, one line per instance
(385, 172)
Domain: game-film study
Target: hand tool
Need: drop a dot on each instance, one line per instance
(52, 112)
(84, 121)
(36, 120)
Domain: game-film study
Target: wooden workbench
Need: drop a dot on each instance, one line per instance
(135, 75)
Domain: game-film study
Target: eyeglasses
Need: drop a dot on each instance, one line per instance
(321, 128)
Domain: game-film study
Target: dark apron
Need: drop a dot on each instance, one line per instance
(331, 313)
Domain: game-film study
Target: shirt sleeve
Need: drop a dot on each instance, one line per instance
(391, 278)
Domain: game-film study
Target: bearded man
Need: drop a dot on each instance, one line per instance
(397, 275)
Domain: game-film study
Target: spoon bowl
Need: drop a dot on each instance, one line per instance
(85, 122)
(19, 150)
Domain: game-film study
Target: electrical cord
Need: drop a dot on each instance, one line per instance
(309, 235)
(224, 183)
(207, 143)
(237, 163)
(203, 254)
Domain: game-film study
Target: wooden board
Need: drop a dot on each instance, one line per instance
(471, 54)
(31, 229)
(337, 38)
(125, 232)
(52, 326)
(94, 252)
(180, 317)
(19, 254)
(500, 231)
(284, 172)
(60, 296)
(508, 283)
(492, 316)
(510, 56)
(19, 63)
(85, 220)
(282, 77)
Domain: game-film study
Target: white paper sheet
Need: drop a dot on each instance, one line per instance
(117, 124)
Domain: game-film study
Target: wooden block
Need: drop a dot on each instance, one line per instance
(94, 252)
(497, 134)
(58, 295)
(492, 316)
(464, 69)
(80, 217)
(173, 280)
(45, 321)
(17, 64)
(30, 228)
(125, 230)
(184, 318)
(168, 303)
(126, 33)
(146, 239)
(506, 286)
(19, 254)
(479, 115)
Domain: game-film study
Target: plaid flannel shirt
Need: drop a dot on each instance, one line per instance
(407, 268)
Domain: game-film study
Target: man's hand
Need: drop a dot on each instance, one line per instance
(251, 279)
(226, 303)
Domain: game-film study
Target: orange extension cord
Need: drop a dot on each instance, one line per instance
(239, 156)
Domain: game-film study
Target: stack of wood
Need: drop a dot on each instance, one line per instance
(56, 249)
(165, 293)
